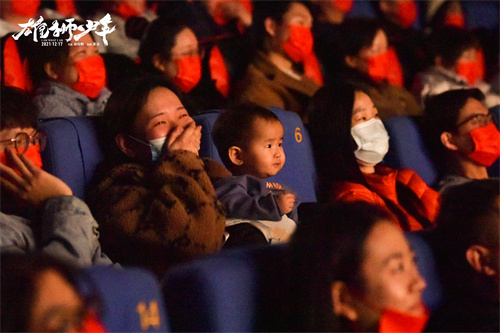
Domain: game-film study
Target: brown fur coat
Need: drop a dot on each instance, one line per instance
(156, 216)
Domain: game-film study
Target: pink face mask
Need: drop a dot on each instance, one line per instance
(91, 76)
(487, 145)
(300, 43)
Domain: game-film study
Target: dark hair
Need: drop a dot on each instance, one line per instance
(20, 273)
(124, 105)
(357, 34)
(449, 43)
(324, 250)
(160, 38)
(469, 215)
(272, 9)
(441, 115)
(234, 127)
(330, 114)
(17, 109)
(39, 54)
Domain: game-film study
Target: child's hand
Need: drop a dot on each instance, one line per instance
(286, 202)
(34, 185)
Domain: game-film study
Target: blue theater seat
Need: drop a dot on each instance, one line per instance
(131, 299)
(407, 149)
(243, 290)
(299, 171)
(233, 291)
(73, 150)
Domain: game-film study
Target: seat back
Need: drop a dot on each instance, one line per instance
(427, 266)
(233, 291)
(73, 150)
(299, 171)
(131, 299)
(407, 148)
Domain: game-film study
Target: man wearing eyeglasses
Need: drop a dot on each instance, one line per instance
(462, 136)
(38, 210)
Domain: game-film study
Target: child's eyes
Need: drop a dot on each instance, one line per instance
(280, 144)
(183, 115)
(268, 146)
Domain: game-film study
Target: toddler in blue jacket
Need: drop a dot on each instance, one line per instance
(249, 139)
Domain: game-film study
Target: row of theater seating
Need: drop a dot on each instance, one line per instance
(235, 290)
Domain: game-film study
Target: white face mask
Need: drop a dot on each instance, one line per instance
(156, 147)
(372, 140)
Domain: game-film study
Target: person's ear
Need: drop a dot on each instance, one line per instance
(343, 302)
(448, 141)
(159, 63)
(235, 155)
(478, 257)
(49, 69)
(351, 61)
(125, 145)
(270, 26)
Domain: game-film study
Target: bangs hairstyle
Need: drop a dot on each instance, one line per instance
(17, 109)
(449, 43)
(234, 127)
(357, 33)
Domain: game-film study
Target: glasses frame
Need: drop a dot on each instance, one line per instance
(489, 116)
(34, 139)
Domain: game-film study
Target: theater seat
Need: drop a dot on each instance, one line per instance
(299, 171)
(407, 149)
(433, 293)
(73, 150)
(130, 298)
(243, 290)
(233, 291)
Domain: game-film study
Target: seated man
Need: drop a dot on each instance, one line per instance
(466, 242)
(461, 136)
(38, 210)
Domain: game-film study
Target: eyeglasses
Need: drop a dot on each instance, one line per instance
(22, 141)
(478, 119)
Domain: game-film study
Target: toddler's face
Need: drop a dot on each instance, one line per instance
(263, 156)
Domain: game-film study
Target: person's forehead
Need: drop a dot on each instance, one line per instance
(297, 10)
(471, 107)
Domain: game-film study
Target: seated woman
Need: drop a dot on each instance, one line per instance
(171, 50)
(349, 142)
(70, 79)
(282, 32)
(365, 60)
(39, 294)
(155, 202)
(352, 270)
(455, 54)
